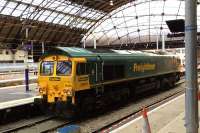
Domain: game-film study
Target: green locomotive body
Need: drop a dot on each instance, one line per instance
(114, 66)
(103, 75)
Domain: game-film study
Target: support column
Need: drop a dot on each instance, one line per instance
(163, 41)
(32, 49)
(84, 43)
(27, 79)
(42, 47)
(95, 43)
(157, 41)
(13, 55)
(26, 71)
(191, 101)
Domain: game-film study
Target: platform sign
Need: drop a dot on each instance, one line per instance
(27, 47)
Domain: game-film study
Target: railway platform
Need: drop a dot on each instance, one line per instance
(16, 80)
(167, 118)
(13, 96)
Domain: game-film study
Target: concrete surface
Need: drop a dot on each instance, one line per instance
(168, 118)
(13, 96)
(17, 92)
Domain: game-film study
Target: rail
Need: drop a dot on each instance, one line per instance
(38, 124)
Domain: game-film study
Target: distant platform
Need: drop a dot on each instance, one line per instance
(16, 95)
(16, 80)
(6, 76)
(9, 67)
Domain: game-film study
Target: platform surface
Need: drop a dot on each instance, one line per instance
(14, 96)
(167, 118)
(17, 92)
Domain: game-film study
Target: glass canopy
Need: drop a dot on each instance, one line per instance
(53, 11)
(107, 22)
(138, 21)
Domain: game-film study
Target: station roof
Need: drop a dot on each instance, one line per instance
(142, 21)
(54, 21)
(70, 22)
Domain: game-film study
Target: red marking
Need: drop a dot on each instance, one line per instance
(144, 112)
(146, 127)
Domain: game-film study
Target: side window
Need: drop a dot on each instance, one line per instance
(82, 69)
(112, 72)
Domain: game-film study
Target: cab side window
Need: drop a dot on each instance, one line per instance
(82, 69)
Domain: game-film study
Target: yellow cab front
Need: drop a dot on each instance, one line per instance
(55, 78)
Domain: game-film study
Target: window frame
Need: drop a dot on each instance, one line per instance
(86, 71)
(63, 74)
(41, 69)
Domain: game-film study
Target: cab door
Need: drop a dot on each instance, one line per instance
(99, 72)
(82, 77)
(99, 69)
(91, 66)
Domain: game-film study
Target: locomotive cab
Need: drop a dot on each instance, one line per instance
(57, 78)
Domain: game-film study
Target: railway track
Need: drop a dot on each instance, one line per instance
(20, 125)
(103, 122)
(111, 120)
(35, 125)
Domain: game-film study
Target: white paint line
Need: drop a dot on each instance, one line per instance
(22, 93)
(19, 102)
(16, 86)
(140, 117)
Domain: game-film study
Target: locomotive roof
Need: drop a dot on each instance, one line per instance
(95, 54)
(76, 52)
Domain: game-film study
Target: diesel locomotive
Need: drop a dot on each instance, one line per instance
(79, 80)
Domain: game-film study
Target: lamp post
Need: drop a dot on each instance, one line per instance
(163, 41)
(157, 39)
(26, 61)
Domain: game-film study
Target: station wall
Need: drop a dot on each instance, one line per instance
(8, 56)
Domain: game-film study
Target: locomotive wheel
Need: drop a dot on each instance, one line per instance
(172, 82)
(64, 110)
(67, 113)
(164, 84)
(178, 77)
(42, 105)
(168, 83)
(157, 84)
(87, 105)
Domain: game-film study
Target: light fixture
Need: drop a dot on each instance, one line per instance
(111, 2)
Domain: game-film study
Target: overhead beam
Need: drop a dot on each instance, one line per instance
(51, 10)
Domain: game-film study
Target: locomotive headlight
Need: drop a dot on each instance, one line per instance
(68, 92)
(41, 90)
